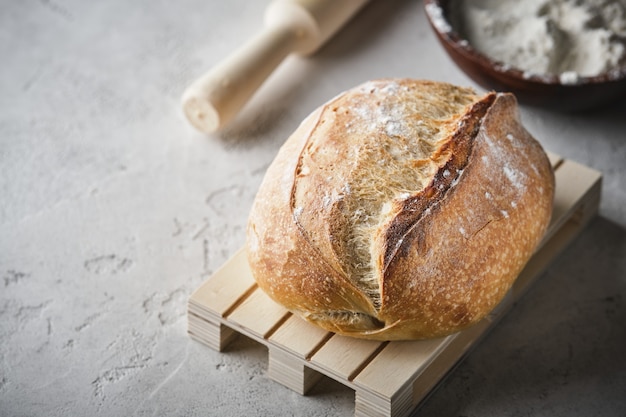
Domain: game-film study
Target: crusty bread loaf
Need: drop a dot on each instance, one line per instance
(401, 209)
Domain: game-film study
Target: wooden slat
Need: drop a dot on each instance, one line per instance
(299, 337)
(398, 363)
(573, 181)
(259, 314)
(226, 287)
(542, 259)
(345, 356)
(446, 359)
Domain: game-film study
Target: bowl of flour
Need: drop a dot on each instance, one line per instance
(563, 54)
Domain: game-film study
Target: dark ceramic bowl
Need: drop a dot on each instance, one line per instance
(537, 90)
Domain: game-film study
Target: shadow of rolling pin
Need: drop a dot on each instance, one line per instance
(291, 26)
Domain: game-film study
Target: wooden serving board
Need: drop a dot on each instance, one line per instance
(389, 378)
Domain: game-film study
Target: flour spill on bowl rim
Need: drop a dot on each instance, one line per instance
(437, 18)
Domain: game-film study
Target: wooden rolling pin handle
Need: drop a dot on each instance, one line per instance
(299, 26)
(216, 97)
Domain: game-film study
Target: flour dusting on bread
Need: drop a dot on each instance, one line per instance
(380, 169)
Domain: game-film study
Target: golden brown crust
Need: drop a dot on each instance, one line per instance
(401, 209)
(285, 265)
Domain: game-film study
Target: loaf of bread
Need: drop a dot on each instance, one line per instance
(401, 209)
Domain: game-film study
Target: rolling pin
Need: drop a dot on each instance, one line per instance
(291, 26)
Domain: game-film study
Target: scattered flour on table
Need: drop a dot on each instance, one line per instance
(567, 38)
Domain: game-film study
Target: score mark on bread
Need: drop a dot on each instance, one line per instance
(401, 209)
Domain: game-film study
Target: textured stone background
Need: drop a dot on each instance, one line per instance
(113, 210)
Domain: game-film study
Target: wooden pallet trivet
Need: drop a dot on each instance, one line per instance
(389, 378)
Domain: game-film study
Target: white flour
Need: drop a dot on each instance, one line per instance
(567, 38)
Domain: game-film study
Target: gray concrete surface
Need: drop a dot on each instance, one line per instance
(113, 210)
